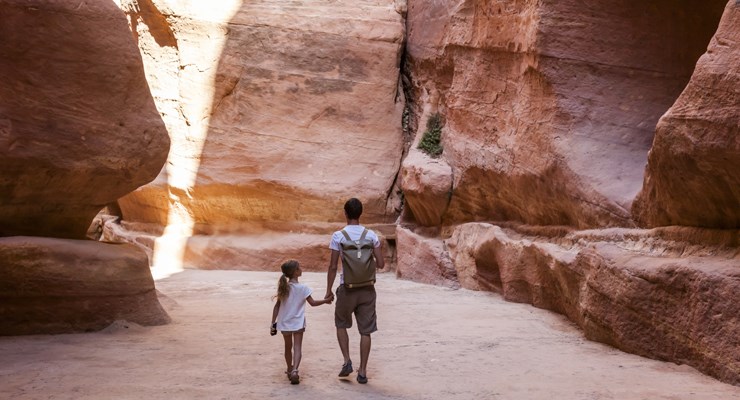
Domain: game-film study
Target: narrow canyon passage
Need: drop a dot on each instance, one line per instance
(432, 343)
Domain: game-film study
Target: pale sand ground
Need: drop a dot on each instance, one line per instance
(433, 343)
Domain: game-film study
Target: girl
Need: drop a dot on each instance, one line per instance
(289, 314)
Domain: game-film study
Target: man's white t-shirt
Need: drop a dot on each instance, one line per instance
(354, 232)
(292, 312)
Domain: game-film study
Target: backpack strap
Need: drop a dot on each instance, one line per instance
(346, 235)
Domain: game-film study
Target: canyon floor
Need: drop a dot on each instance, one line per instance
(432, 343)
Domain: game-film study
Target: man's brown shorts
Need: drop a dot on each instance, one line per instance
(361, 302)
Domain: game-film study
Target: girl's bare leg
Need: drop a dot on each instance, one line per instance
(287, 337)
(297, 344)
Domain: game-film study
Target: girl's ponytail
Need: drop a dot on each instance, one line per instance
(282, 289)
(288, 268)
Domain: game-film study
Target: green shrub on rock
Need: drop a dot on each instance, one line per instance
(431, 139)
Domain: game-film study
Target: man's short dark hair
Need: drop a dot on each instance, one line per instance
(353, 208)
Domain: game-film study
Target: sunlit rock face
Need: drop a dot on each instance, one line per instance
(551, 106)
(78, 126)
(50, 285)
(692, 175)
(278, 111)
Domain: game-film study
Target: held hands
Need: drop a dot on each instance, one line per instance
(329, 297)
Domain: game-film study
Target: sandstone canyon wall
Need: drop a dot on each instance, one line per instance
(78, 130)
(550, 110)
(279, 111)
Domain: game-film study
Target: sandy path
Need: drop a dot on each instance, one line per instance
(433, 343)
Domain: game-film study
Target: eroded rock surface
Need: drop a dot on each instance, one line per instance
(61, 285)
(692, 175)
(78, 126)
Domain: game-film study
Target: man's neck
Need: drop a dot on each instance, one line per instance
(353, 222)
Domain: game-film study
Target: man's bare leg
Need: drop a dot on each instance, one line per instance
(365, 343)
(343, 339)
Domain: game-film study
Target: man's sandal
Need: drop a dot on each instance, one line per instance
(294, 378)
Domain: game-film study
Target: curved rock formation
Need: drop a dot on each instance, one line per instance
(692, 174)
(78, 127)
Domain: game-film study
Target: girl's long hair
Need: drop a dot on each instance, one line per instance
(283, 289)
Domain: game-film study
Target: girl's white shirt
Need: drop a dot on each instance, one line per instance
(292, 312)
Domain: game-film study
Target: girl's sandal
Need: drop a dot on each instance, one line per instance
(294, 378)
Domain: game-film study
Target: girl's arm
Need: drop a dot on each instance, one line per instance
(275, 311)
(315, 303)
(273, 327)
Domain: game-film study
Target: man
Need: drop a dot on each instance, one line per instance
(359, 301)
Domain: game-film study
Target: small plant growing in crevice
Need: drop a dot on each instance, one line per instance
(430, 142)
(405, 120)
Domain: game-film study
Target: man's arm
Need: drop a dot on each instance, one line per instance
(378, 254)
(332, 274)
